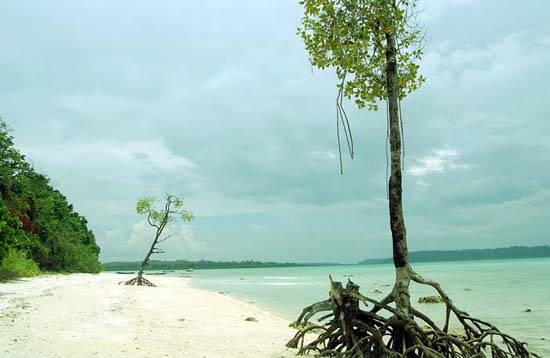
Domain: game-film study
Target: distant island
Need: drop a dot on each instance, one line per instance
(156, 265)
(513, 252)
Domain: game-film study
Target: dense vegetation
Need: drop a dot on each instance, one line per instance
(38, 227)
(513, 252)
(202, 264)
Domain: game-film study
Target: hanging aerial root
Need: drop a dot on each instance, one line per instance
(346, 330)
(138, 281)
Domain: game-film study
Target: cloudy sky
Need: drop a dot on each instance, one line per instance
(216, 101)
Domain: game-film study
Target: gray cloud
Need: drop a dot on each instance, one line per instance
(217, 101)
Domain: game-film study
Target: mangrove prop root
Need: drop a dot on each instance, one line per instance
(139, 281)
(347, 330)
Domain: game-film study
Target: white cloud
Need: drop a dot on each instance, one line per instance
(111, 159)
(435, 9)
(230, 78)
(187, 237)
(113, 233)
(179, 245)
(157, 154)
(487, 64)
(439, 161)
(325, 155)
(110, 235)
(140, 234)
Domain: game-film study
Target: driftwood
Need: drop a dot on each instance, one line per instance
(351, 331)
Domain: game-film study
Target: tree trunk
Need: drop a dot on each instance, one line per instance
(401, 339)
(397, 222)
(139, 279)
(146, 259)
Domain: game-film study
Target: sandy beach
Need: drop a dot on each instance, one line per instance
(82, 315)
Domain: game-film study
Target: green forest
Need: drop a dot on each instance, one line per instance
(39, 229)
(203, 264)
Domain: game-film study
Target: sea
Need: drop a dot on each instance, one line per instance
(513, 295)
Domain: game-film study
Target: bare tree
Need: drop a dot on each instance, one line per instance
(158, 219)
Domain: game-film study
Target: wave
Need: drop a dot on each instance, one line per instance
(280, 283)
(280, 278)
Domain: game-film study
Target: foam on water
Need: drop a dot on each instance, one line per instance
(279, 278)
(280, 283)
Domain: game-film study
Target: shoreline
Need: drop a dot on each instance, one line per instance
(92, 315)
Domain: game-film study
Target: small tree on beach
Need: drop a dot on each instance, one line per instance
(158, 219)
(374, 46)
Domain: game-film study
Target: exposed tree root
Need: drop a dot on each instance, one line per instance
(139, 280)
(353, 332)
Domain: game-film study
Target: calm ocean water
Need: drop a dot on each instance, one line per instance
(497, 291)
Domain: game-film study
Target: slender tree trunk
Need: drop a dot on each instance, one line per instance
(144, 207)
(146, 259)
(397, 222)
(139, 280)
(155, 241)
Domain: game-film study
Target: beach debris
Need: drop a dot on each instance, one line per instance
(458, 332)
(310, 327)
(430, 299)
(376, 291)
(251, 319)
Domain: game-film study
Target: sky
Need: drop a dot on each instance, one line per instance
(217, 101)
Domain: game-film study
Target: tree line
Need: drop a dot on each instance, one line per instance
(513, 252)
(201, 264)
(39, 229)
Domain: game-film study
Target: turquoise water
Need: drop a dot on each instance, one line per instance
(496, 291)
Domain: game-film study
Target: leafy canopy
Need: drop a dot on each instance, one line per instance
(350, 35)
(173, 206)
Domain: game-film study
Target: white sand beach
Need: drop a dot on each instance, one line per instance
(82, 315)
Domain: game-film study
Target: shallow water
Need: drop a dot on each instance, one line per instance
(496, 291)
